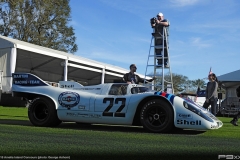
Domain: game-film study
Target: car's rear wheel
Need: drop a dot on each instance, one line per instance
(42, 112)
(157, 116)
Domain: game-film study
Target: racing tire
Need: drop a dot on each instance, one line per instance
(42, 113)
(157, 116)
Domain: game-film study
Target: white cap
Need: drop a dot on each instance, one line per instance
(159, 14)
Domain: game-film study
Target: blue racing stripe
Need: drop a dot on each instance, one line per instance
(170, 97)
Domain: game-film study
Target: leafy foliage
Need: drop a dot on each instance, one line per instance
(181, 83)
(41, 22)
(199, 83)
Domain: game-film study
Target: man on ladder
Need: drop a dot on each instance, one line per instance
(161, 51)
(159, 21)
(157, 24)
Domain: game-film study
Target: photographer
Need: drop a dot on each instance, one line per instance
(159, 21)
(158, 24)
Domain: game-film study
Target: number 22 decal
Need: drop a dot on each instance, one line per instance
(118, 112)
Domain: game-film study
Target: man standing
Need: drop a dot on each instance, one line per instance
(211, 93)
(158, 24)
(132, 78)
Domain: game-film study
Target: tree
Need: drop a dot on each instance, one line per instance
(180, 82)
(199, 83)
(41, 22)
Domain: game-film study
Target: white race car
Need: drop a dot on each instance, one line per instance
(112, 103)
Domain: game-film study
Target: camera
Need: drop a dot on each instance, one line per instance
(153, 20)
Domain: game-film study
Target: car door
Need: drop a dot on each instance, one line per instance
(113, 104)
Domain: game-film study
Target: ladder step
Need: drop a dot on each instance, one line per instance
(157, 35)
(157, 56)
(161, 58)
(160, 47)
(159, 66)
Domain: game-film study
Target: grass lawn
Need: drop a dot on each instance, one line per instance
(71, 141)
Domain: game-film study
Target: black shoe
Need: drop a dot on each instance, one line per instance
(234, 122)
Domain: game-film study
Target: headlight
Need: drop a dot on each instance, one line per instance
(196, 110)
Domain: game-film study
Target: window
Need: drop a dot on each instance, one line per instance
(118, 89)
(136, 90)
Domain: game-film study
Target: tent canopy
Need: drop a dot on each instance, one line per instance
(52, 65)
(230, 79)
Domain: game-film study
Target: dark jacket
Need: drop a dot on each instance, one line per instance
(133, 78)
(211, 90)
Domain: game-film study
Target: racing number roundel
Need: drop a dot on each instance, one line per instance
(68, 99)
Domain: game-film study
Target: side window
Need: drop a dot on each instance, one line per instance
(136, 90)
(118, 89)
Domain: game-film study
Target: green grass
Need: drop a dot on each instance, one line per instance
(19, 138)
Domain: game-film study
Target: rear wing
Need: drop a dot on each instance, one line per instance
(27, 79)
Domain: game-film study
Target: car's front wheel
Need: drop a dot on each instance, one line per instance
(42, 112)
(157, 116)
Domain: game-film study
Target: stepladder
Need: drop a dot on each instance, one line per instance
(158, 62)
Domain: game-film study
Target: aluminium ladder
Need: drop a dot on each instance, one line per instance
(161, 60)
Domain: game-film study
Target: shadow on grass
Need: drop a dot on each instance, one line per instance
(100, 127)
(2, 115)
(15, 122)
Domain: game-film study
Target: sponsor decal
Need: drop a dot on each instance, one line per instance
(68, 99)
(185, 122)
(84, 115)
(214, 126)
(20, 76)
(67, 86)
(26, 80)
(82, 107)
(182, 115)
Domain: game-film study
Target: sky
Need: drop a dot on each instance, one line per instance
(203, 34)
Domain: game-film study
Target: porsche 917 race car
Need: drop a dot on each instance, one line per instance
(112, 103)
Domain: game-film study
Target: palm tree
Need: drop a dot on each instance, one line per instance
(199, 83)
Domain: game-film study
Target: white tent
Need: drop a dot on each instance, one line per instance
(52, 65)
(230, 79)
